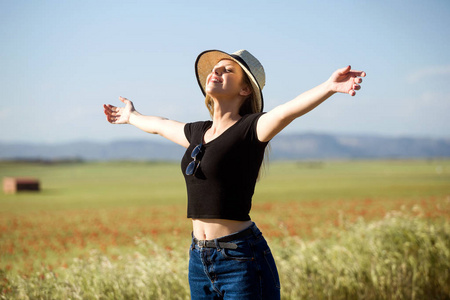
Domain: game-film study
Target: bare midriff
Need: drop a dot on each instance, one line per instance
(209, 229)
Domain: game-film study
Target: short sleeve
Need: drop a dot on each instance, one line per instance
(188, 131)
(252, 125)
(194, 131)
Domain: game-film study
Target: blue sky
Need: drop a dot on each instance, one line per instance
(61, 60)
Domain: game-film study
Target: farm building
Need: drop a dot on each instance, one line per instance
(12, 185)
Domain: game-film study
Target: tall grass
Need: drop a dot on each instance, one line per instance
(399, 257)
(152, 272)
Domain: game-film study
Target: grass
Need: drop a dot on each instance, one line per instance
(90, 214)
(398, 257)
(95, 185)
(357, 179)
(402, 257)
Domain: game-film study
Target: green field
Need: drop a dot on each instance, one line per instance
(88, 214)
(118, 184)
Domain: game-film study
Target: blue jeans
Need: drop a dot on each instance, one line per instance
(221, 272)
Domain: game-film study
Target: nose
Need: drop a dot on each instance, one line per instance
(216, 70)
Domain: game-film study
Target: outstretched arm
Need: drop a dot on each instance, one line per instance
(343, 80)
(171, 130)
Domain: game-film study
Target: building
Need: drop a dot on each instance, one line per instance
(12, 185)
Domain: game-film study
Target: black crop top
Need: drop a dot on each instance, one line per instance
(223, 184)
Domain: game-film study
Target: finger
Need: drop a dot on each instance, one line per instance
(357, 80)
(345, 70)
(114, 109)
(124, 100)
(352, 93)
(356, 87)
(107, 112)
(109, 119)
(113, 119)
(358, 73)
(109, 109)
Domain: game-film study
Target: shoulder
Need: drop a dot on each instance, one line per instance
(250, 119)
(195, 128)
(249, 125)
(199, 125)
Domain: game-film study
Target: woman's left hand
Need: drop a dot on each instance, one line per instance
(346, 81)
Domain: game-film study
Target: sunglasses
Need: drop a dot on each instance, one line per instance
(193, 165)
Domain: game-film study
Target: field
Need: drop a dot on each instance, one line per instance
(107, 230)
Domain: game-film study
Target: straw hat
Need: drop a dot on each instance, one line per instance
(251, 66)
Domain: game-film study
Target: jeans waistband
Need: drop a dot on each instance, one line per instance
(223, 242)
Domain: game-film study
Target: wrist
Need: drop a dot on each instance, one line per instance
(328, 88)
(134, 115)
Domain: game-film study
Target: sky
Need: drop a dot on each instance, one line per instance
(61, 60)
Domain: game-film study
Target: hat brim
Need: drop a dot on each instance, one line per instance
(208, 59)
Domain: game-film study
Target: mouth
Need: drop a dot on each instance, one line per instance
(214, 79)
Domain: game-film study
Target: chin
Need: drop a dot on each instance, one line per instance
(212, 92)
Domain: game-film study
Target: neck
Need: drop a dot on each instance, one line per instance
(226, 113)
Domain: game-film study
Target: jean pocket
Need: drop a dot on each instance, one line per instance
(272, 267)
(239, 254)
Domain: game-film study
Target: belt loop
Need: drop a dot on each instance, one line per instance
(254, 229)
(217, 245)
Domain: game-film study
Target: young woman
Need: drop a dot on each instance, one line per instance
(229, 257)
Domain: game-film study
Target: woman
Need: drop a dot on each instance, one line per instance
(229, 257)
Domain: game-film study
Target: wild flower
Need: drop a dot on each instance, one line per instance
(402, 256)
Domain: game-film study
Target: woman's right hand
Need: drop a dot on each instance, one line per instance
(119, 115)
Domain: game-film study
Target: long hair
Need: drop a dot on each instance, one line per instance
(249, 106)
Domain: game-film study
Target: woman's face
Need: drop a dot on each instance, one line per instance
(225, 80)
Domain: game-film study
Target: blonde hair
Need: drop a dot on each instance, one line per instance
(249, 106)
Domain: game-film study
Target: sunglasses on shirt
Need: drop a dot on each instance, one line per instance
(193, 165)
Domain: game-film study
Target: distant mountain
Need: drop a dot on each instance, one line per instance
(122, 150)
(289, 147)
(325, 146)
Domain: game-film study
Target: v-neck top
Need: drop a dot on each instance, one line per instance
(227, 169)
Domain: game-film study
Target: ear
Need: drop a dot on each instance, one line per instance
(245, 91)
